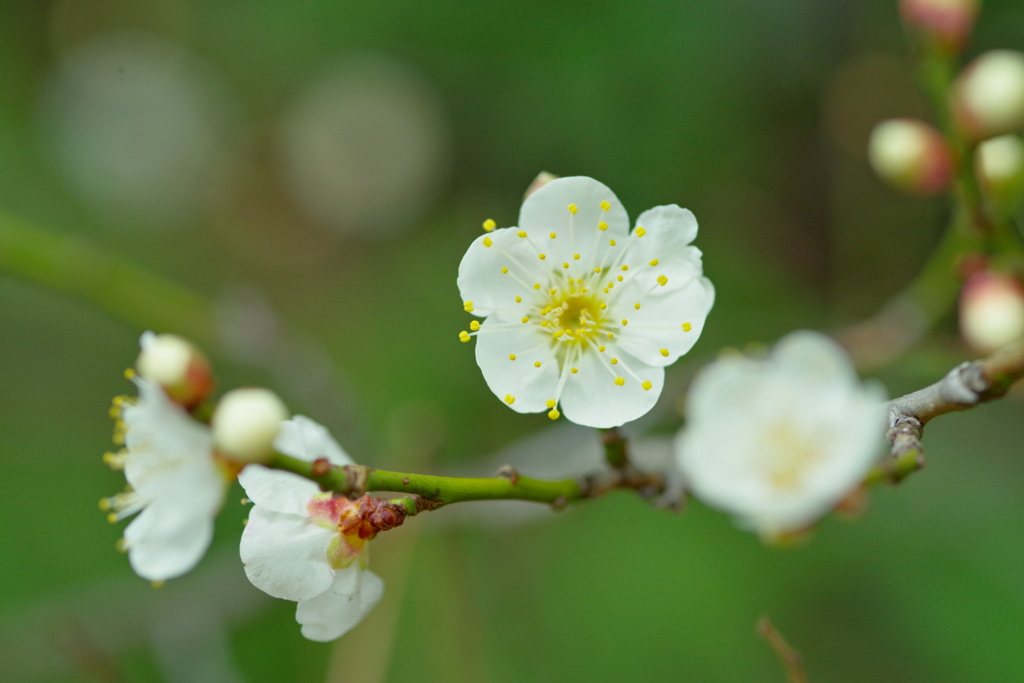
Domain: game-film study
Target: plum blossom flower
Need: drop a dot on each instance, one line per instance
(304, 545)
(778, 442)
(579, 312)
(174, 484)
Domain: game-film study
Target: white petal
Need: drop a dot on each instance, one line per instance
(813, 358)
(482, 281)
(305, 439)
(709, 293)
(667, 319)
(546, 211)
(591, 397)
(164, 542)
(531, 386)
(286, 555)
(277, 491)
(671, 226)
(337, 610)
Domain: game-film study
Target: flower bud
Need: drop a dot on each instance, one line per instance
(246, 423)
(542, 179)
(911, 156)
(947, 24)
(991, 311)
(988, 96)
(1000, 168)
(177, 366)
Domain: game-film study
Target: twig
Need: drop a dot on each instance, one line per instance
(790, 658)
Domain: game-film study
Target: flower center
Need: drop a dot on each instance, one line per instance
(791, 453)
(573, 314)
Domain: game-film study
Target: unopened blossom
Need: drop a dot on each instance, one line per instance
(991, 311)
(246, 422)
(779, 441)
(177, 366)
(174, 483)
(581, 315)
(305, 545)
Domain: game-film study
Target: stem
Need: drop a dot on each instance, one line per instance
(428, 492)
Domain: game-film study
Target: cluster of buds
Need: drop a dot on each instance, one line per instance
(371, 516)
(911, 156)
(245, 421)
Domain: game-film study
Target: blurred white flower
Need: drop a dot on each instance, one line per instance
(778, 442)
(304, 545)
(174, 484)
(579, 312)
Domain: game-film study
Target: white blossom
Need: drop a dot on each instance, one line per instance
(174, 484)
(246, 424)
(778, 442)
(299, 543)
(580, 313)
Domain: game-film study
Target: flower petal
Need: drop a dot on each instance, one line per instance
(593, 399)
(277, 491)
(286, 555)
(336, 611)
(546, 211)
(305, 439)
(530, 386)
(483, 281)
(669, 321)
(168, 539)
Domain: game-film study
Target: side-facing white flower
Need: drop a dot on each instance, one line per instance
(579, 311)
(174, 483)
(778, 442)
(300, 544)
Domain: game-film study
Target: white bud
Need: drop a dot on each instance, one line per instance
(910, 155)
(989, 95)
(945, 23)
(991, 311)
(177, 366)
(246, 423)
(1000, 167)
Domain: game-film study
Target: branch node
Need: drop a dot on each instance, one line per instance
(508, 472)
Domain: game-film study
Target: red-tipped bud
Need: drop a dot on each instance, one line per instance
(991, 311)
(988, 96)
(945, 24)
(542, 179)
(177, 366)
(1000, 168)
(911, 156)
(246, 423)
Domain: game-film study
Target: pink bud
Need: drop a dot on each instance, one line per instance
(911, 156)
(945, 23)
(177, 366)
(542, 179)
(988, 96)
(991, 311)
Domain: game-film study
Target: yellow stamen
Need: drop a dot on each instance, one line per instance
(489, 225)
(573, 370)
(576, 257)
(510, 399)
(624, 322)
(653, 262)
(647, 385)
(541, 256)
(625, 268)
(615, 361)
(602, 226)
(464, 336)
(636, 306)
(536, 285)
(536, 363)
(601, 349)
(504, 269)
(488, 242)
(662, 280)
(519, 299)
(129, 373)
(687, 327)
(640, 232)
(565, 265)
(511, 356)
(474, 325)
(605, 205)
(597, 270)
(553, 235)
(619, 381)
(521, 233)
(619, 278)
(525, 319)
(664, 352)
(573, 209)
(554, 414)
(551, 403)
(611, 242)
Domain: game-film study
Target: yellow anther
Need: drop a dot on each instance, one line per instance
(105, 504)
(664, 352)
(129, 373)
(571, 281)
(611, 285)
(619, 381)
(647, 385)
(640, 232)
(552, 292)
(687, 327)
(467, 304)
(602, 226)
(605, 205)
(619, 278)
(597, 270)
(615, 361)
(510, 399)
(475, 325)
(553, 235)
(536, 363)
(573, 209)
(542, 256)
(519, 299)
(565, 265)
(611, 242)
(521, 233)
(583, 291)
(156, 584)
(611, 335)
(575, 257)
(551, 403)
(489, 225)
(601, 349)
(625, 268)
(653, 262)
(636, 306)
(662, 280)
(504, 270)
(525, 319)
(511, 356)
(112, 518)
(121, 545)
(488, 242)
(625, 322)
(554, 414)
(573, 370)
(536, 285)
(603, 305)
(464, 336)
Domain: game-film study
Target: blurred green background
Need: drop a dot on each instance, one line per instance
(316, 169)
